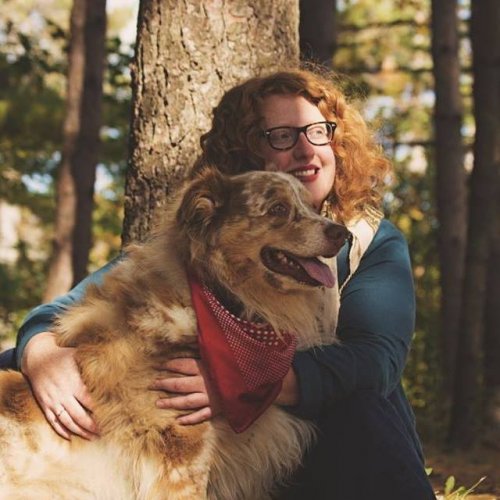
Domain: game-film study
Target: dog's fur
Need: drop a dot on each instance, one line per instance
(141, 315)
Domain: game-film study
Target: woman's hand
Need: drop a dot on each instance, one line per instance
(194, 389)
(58, 386)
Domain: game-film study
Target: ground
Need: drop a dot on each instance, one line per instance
(467, 468)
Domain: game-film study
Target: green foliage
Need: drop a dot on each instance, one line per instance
(31, 111)
(450, 493)
(414, 214)
(32, 106)
(21, 290)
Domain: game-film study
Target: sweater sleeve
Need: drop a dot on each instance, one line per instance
(375, 328)
(41, 318)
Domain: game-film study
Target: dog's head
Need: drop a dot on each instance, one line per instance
(257, 236)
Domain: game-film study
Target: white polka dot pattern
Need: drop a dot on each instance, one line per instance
(262, 355)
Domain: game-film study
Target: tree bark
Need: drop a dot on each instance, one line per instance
(491, 342)
(60, 276)
(187, 54)
(318, 31)
(466, 410)
(450, 178)
(85, 157)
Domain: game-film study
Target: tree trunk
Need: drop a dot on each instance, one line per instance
(88, 145)
(450, 178)
(318, 31)
(187, 54)
(491, 343)
(466, 410)
(60, 275)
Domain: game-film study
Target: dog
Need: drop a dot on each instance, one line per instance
(254, 239)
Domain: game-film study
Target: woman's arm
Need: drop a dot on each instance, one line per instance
(41, 318)
(376, 324)
(52, 370)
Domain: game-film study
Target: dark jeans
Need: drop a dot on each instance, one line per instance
(8, 359)
(364, 451)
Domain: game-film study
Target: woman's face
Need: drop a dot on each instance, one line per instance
(313, 165)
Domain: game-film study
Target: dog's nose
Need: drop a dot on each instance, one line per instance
(336, 233)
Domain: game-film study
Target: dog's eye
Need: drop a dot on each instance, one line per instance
(279, 209)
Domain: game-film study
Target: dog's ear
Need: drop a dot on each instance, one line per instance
(202, 202)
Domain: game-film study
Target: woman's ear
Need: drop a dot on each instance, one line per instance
(203, 200)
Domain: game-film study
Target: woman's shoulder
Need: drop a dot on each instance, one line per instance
(387, 241)
(387, 245)
(387, 231)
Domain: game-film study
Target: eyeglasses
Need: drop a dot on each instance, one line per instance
(283, 138)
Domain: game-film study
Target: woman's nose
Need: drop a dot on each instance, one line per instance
(303, 148)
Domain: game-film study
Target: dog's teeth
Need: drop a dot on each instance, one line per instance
(282, 257)
(285, 260)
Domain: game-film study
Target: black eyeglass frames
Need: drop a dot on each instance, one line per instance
(317, 133)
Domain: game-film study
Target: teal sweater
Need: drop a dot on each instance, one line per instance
(376, 324)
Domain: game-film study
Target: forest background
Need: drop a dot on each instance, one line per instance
(425, 74)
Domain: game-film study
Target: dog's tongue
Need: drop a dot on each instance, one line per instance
(317, 270)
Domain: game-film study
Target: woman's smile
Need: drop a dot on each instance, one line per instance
(308, 173)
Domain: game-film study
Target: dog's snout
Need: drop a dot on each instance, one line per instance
(336, 233)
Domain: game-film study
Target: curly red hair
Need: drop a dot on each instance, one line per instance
(234, 140)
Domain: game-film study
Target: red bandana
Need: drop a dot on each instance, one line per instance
(246, 361)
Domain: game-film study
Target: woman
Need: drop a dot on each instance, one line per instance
(297, 122)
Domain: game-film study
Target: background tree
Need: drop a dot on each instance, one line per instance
(60, 276)
(491, 341)
(76, 177)
(450, 177)
(187, 55)
(468, 390)
(87, 150)
(318, 31)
